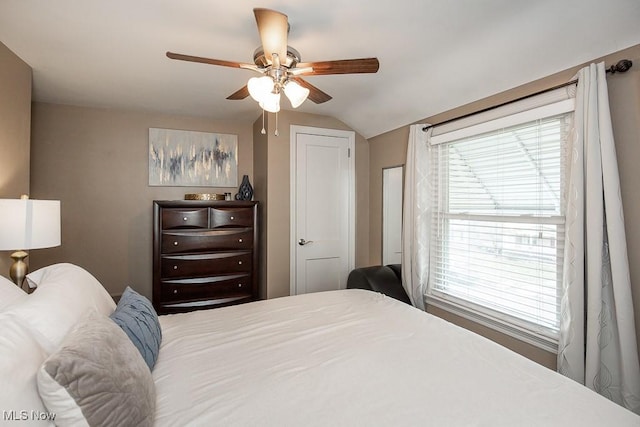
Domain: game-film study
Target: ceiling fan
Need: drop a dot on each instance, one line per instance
(281, 66)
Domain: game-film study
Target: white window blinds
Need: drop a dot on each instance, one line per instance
(497, 226)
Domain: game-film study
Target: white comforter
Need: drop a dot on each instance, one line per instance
(355, 358)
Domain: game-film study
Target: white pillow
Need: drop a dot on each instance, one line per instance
(64, 293)
(20, 359)
(10, 294)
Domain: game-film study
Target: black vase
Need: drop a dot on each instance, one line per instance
(245, 191)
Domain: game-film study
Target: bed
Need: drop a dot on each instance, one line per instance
(339, 358)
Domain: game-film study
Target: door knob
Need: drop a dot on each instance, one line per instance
(303, 242)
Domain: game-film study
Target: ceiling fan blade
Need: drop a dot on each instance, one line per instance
(241, 93)
(315, 94)
(273, 27)
(344, 66)
(211, 61)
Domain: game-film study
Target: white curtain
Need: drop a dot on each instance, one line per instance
(597, 344)
(416, 217)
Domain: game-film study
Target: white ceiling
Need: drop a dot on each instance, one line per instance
(434, 54)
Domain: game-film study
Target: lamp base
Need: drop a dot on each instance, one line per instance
(19, 268)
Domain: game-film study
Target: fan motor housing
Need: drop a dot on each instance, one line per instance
(293, 57)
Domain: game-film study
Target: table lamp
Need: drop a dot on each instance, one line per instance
(27, 224)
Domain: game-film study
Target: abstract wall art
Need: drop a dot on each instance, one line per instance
(185, 158)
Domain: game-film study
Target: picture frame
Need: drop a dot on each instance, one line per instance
(185, 158)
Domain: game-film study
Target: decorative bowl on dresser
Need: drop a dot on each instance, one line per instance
(204, 254)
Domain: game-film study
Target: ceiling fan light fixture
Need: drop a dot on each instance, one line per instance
(278, 62)
(260, 87)
(296, 93)
(270, 102)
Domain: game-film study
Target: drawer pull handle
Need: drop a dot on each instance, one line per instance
(239, 262)
(239, 285)
(231, 218)
(239, 240)
(175, 291)
(185, 218)
(175, 267)
(175, 243)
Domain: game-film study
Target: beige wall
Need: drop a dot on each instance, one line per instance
(260, 185)
(15, 130)
(272, 160)
(386, 150)
(389, 149)
(96, 162)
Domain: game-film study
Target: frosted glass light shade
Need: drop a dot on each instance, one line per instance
(271, 102)
(260, 87)
(29, 224)
(296, 93)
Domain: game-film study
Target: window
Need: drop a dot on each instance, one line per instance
(497, 223)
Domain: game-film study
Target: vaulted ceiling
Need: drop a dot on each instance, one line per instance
(434, 54)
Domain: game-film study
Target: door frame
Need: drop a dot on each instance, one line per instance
(293, 155)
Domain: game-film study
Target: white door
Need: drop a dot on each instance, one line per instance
(322, 202)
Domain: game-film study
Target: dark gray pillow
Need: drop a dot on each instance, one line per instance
(136, 316)
(97, 378)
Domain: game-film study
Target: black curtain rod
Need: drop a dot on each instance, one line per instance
(621, 67)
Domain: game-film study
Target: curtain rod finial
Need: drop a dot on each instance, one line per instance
(621, 67)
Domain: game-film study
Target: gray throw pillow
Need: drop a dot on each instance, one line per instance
(136, 316)
(97, 378)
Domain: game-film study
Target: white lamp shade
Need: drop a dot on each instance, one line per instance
(296, 93)
(260, 87)
(29, 224)
(271, 102)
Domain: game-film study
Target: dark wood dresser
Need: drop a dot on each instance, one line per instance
(204, 254)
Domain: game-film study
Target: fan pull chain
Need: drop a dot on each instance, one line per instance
(263, 131)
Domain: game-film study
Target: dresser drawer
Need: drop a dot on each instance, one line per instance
(185, 218)
(231, 217)
(195, 241)
(205, 264)
(206, 288)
